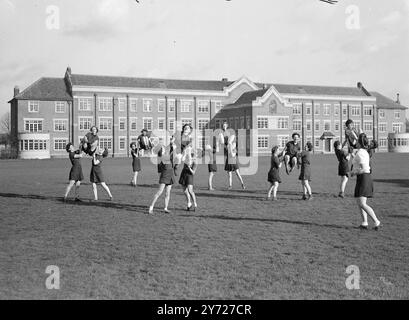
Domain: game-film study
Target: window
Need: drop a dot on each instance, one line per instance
(161, 124)
(382, 142)
(202, 124)
(147, 105)
(317, 142)
(397, 114)
(59, 144)
(248, 122)
(262, 142)
(85, 123)
(147, 123)
(122, 124)
(161, 105)
(237, 122)
(60, 125)
(326, 109)
(133, 139)
(171, 105)
(308, 139)
(186, 106)
(344, 111)
(282, 123)
(122, 143)
(84, 104)
(218, 106)
(217, 124)
(317, 107)
(355, 110)
(309, 125)
(241, 122)
(187, 121)
(308, 107)
(60, 107)
(27, 145)
(121, 104)
(171, 125)
(203, 106)
(231, 122)
(382, 127)
(282, 141)
(132, 123)
(105, 124)
(105, 142)
(317, 125)
(297, 108)
(33, 106)
(262, 122)
(357, 126)
(336, 109)
(296, 125)
(33, 125)
(396, 127)
(368, 126)
(133, 105)
(105, 104)
(336, 126)
(381, 114)
(367, 110)
(327, 125)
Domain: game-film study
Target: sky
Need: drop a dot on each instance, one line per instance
(271, 41)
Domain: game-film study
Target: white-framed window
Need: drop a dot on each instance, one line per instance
(241, 122)
(317, 142)
(133, 123)
(85, 123)
(282, 140)
(217, 124)
(297, 108)
(309, 125)
(122, 143)
(33, 144)
(171, 125)
(344, 111)
(186, 105)
(355, 110)
(105, 123)
(317, 108)
(383, 142)
(105, 142)
(249, 125)
(262, 142)
(297, 125)
(218, 106)
(262, 122)
(161, 124)
(308, 139)
(308, 107)
(171, 105)
(327, 125)
(60, 125)
(33, 125)
(148, 124)
(397, 127)
(381, 114)
(187, 121)
(397, 114)
(133, 139)
(161, 105)
(337, 107)
(84, 104)
(147, 105)
(282, 123)
(60, 144)
(357, 126)
(202, 124)
(368, 110)
(382, 127)
(33, 106)
(60, 107)
(105, 104)
(368, 126)
(133, 105)
(317, 126)
(122, 123)
(336, 126)
(203, 106)
(326, 110)
(121, 104)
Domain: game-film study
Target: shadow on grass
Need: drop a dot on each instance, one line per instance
(399, 216)
(404, 183)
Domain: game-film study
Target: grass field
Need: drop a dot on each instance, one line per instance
(237, 246)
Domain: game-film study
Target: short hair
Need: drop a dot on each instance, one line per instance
(309, 146)
(374, 144)
(105, 153)
(295, 134)
(68, 146)
(132, 144)
(187, 125)
(348, 122)
(93, 128)
(274, 149)
(363, 141)
(337, 144)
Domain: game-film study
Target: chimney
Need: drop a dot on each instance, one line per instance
(225, 79)
(397, 98)
(362, 88)
(359, 85)
(16, 91)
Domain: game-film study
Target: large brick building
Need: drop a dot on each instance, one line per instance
(53, 111)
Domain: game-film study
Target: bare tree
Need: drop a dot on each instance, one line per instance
(5, 125)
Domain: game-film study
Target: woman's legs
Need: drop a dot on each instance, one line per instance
(365, 210)
(156, 197)
(270, 190)
(211, 175)
(167, 196)
(308, 187)
(186, 192)
(230, 179)
(94, 188)
(69, 187)
(240, 178)
(344, 180)
(192, 194)
(135, 178)
(275, 189)
(77, 189)
(104, 185)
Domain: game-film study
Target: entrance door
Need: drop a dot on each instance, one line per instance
(328, 145)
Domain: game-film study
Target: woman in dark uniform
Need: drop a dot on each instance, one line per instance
(343, 167)
(76, 175)
(274, 173)
(136, 163)
(186, 178)
(305, 174)
(96, 175)
(230, 155)
(212, 165)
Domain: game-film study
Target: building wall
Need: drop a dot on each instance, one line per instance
(386, 119)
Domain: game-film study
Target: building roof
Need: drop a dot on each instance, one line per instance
(149, 83)
(383, 102)
(46, 89)
(319, 90)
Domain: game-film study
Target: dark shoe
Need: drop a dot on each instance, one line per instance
(376, 228)
(78, 200)
(64, 200)
(304, 197)
(274, 199)
(166, 211)
(341, 195)
(310, 197)
(363, 227)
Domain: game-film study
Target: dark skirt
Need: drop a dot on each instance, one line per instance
(231, 164)
(343, 169)
(166, 175)
(212, 167)
(160, 167)
(96, 175)
(186, 178)
(76, 173)
(136, 165)
(305, 173)
(274, 176)
(364, 186)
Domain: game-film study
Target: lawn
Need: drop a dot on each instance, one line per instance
(236, 246)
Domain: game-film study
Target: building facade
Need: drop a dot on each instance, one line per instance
(54, 111)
